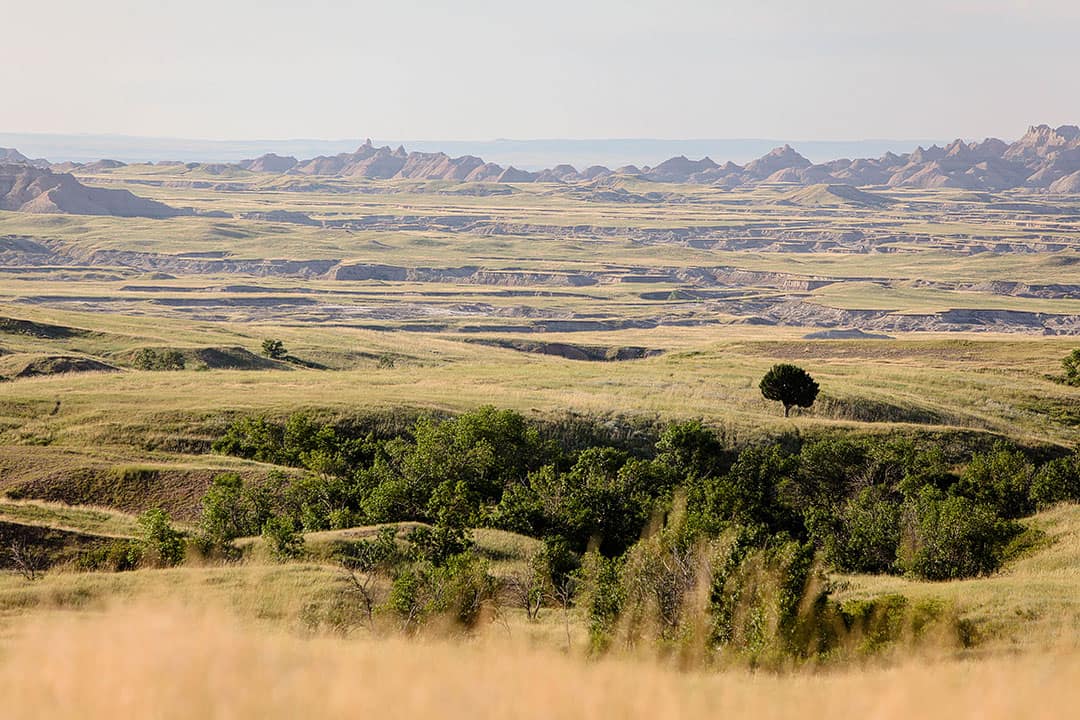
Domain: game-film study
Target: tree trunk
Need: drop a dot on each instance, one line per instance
(787, 410)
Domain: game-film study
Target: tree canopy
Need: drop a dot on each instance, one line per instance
(274, 349)
(790, 385)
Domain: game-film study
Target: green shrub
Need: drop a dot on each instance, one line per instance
(150, 359)
(456, 591)
(254, 438)
(1001, 478)
(826, 472)
(281, 536)
(946, 537)
(866, 534)
(380, 553)
(114, 556)
(758, 596)
(1057, 481)
(163, 545)
(658, 579)
(439, 543)
(603, 595)
(232, 509)
(873, 625)
(750, 493)
(689, 450)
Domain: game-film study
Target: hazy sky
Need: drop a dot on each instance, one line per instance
(473, 69)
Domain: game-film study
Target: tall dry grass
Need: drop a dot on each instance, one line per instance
(153, 662)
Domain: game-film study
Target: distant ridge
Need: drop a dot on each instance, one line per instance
(534, 154)
(824, 195)
(1044, 158)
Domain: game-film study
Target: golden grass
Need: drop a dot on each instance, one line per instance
(284, 594)
(167, 662)
(90, 520)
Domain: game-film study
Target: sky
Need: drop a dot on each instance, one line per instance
(474, 69)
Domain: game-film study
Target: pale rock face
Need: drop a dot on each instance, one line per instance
(25, 188)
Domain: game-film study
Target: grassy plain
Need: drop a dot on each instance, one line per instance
(387, 297)
(720, 283)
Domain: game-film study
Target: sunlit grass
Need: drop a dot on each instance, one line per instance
(165, 661)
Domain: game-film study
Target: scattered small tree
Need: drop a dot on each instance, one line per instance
(365, 562)
(1071, 364)
(529, 585)
(150, 359)
(458, 591)
(27, 559)
(274, 349)
(232, 509)
(285, 542)
(164, 545)
(790, 385)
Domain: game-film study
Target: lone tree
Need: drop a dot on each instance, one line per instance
(274, 349)
(790, 385)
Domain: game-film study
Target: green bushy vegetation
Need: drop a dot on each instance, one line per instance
(162, 544)
(703, 548)
(695, 545)
(1071, 364)
(151, 359)
(879, 505)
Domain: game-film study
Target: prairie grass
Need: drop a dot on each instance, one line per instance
(90, 520)
(168, 661)
(1002, 386)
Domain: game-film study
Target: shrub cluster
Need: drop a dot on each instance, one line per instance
(878, 505)
(151, 359)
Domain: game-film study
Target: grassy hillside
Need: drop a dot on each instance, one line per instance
(131, 438)
(1034, 601)
(622, 308)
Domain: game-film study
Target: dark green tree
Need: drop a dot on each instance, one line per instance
(163, 544)
(1057, 481)
(1002, 479)
(281, 535)
(1071, 363)
(233, 509)
(943, 537)
(151, 359)
(790, 385)
(274, 349)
